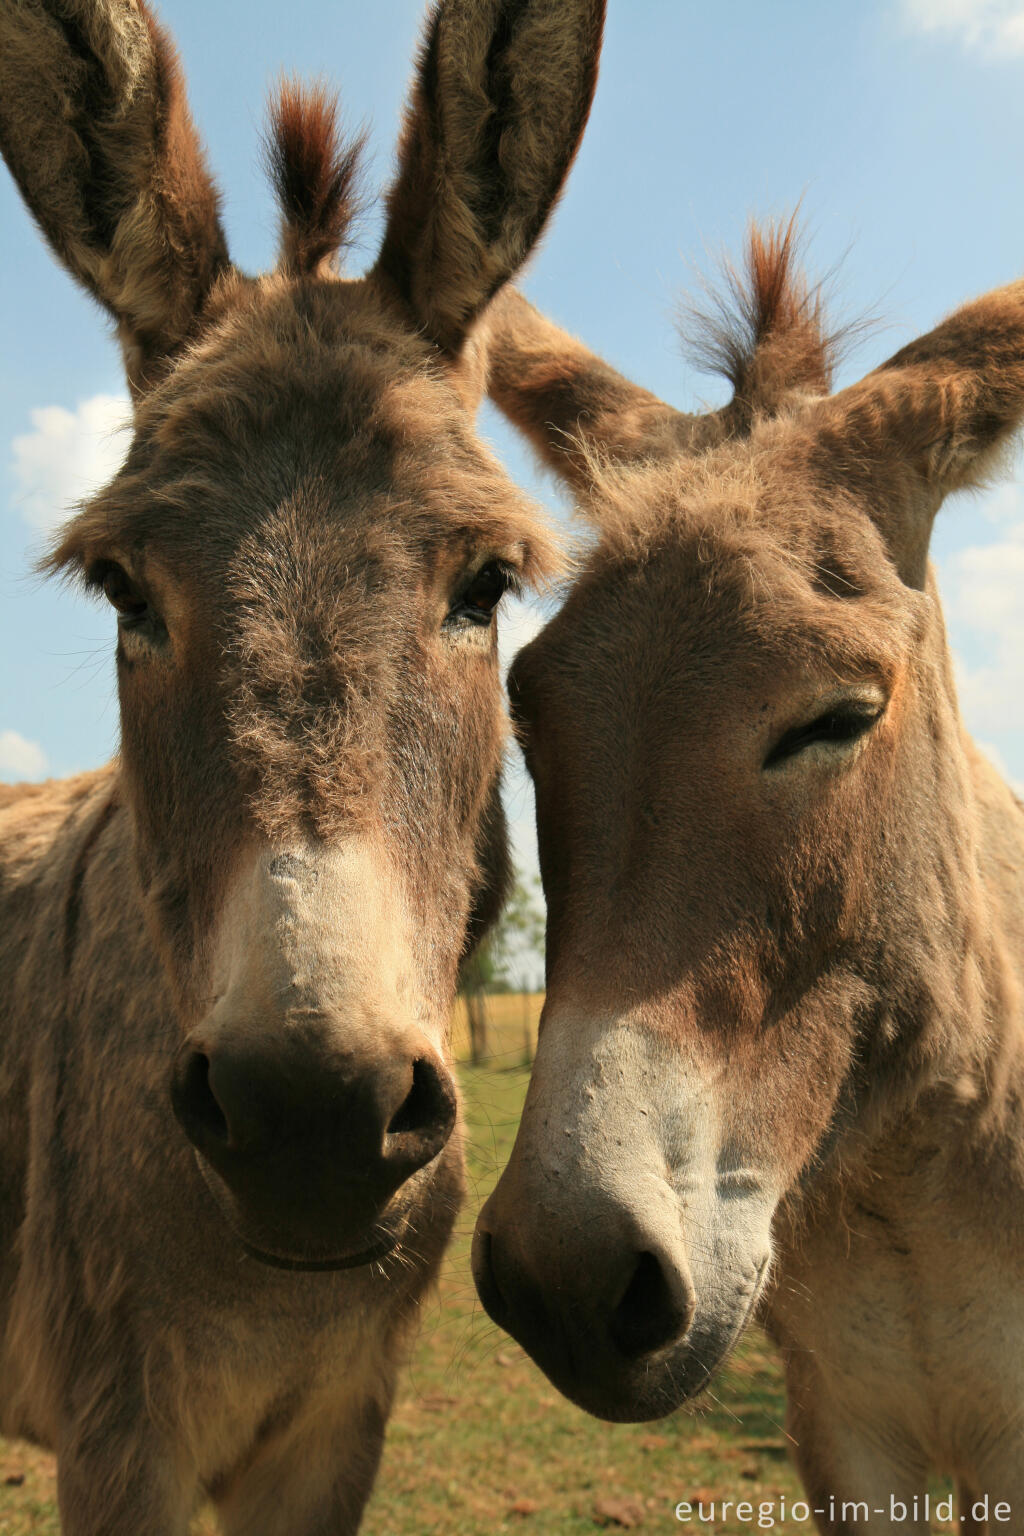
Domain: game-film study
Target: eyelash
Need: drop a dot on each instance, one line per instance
(494, 579)
(110, 580)
(837, 725)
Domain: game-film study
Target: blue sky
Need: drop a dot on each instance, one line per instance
(900, 124)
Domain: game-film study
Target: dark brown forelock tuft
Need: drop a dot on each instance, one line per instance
(314, 173)
(765, 329)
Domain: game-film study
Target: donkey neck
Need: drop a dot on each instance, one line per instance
(952, 1076)
(1000, 1031)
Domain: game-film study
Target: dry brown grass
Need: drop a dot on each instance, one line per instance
(512, 1019)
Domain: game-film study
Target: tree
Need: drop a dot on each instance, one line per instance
(517, 941)
(477, 974)
(509, 959)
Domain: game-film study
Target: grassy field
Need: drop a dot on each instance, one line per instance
(480, 1441)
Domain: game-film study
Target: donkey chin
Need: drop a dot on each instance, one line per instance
(325, 1221)
(626, 1245)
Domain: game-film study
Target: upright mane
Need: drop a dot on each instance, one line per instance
(314, 172)
(765, 328)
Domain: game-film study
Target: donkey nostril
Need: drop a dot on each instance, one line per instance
(429, 1106)
(195, 1102)
(424, 1119)
(651, 1312)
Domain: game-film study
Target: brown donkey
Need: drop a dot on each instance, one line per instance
(257, 912)
(781, 1061)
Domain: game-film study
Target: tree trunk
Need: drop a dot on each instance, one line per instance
(476, 1013)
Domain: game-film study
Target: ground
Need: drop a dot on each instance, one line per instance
(480, 1441)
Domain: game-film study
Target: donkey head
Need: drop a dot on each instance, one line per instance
(756, 829)
(306, 547)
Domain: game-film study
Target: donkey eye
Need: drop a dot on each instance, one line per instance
(122, 594)
(479, 599)
(837, 727)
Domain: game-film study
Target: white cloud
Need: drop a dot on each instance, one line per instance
(1001, 766)
(992, 27)
(67, 455)
(982, 587)
(21, 759)
(519, 619)
(519, 810)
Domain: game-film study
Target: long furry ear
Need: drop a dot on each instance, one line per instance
(96, 131)
(935, 418)
(314, 174)
(765, 332)
(499, 104)
(572, 405)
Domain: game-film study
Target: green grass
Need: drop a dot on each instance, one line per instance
(480, 1442)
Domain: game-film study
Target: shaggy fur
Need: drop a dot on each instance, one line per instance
(303, 830)
(821, 1017)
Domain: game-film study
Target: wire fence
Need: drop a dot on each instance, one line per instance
(508, 1037)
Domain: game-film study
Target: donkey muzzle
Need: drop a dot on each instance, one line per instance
(306, 1154)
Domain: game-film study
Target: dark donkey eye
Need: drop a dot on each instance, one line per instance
(479, 599)
(836, 726)
(121, 592)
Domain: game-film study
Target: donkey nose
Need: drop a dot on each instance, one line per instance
(644, 1303)
(379, 1122)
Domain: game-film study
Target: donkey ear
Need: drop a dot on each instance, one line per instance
(933, 419)
(765, 332)
(97, 134)
(499, 104)
(573, 406)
